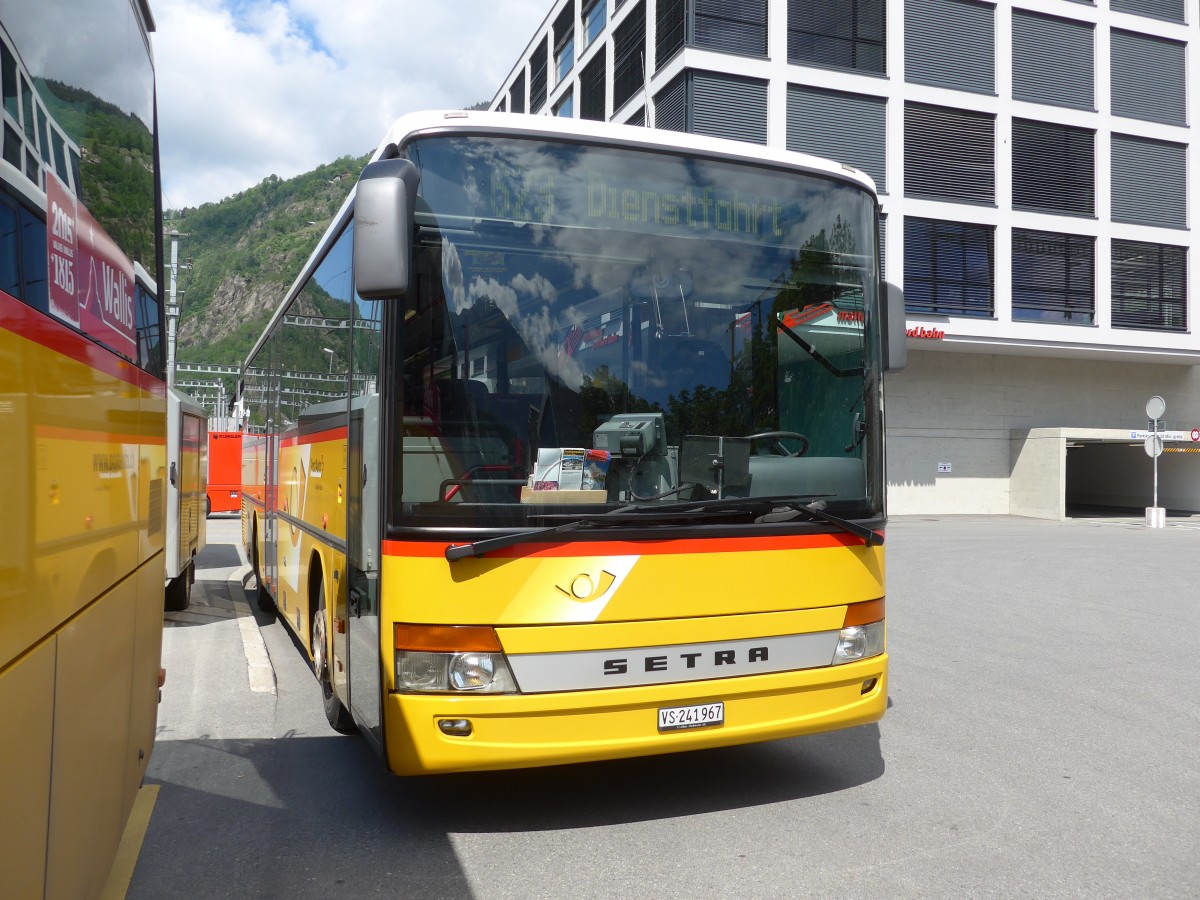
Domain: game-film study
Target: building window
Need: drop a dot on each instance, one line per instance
(1149, 286)
(671, 105)
(850, 128)
(591, 90)
(565, 107)
(1054, 60)
(948, 268)
(516, 97)
(629, 57)
(1054, 168)
(715, 104)
(728, 106)
(539, 64)
(1149, 78)
(594, 17)
(1053, 277)
(732, 26)
(564, 42)
(670, 26)
(1169, 10)
(1149, 181)
(838, 34)
(951, 44)
(949, 154)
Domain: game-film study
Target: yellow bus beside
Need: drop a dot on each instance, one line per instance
(82, 437)
(567, 444)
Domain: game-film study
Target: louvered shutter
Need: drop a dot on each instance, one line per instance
(539, 65)
(948, 268)
(629, 48)
(1054, 168)
(732, 26)
(1149, 286)
(516, 97)
(730, 107)
(1053, 277)
(591, 90)
(1148, 78)
(1149, 181)
(840, 34)
(949, 154)
(670, 105)
(951, 43)
(1169, 10)
(1053, 60)
(850, 128)
(670, 30)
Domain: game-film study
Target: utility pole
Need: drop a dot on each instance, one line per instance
(173, 305)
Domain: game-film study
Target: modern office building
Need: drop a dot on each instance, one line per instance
(1033, 161)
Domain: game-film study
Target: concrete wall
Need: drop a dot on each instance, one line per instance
(973, 411)
(1039, 462)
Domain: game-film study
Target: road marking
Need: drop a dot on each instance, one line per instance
(259, 670)
(130, 848)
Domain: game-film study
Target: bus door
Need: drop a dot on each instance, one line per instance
(363, 544)
(362, 551)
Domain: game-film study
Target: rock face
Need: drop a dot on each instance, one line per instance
(236, 300)
(245, 252)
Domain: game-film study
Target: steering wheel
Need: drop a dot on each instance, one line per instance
(777, 446)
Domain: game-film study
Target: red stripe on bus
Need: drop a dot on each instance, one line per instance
(573, 547)
(40, 328)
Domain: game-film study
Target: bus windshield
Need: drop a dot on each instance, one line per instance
(592, 325)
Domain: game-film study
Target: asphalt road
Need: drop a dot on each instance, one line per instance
(1042, 740)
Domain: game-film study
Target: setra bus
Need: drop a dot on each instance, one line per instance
(82, 436)
(566, 444)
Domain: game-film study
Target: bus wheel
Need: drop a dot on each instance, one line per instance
(262, 595)
(339, 717)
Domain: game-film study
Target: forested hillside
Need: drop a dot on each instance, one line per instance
(245, 252)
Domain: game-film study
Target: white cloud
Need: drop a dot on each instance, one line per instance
(251, 88)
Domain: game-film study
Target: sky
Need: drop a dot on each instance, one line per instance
(252, 88)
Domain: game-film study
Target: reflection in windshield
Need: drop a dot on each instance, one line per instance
(600, 326)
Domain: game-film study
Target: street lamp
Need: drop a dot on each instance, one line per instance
(330, 352)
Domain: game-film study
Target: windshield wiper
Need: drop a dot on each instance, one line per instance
(784, 509)
(621, 516)
(772, 509)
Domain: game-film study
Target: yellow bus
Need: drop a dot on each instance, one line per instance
(82, 437)
(566, 444)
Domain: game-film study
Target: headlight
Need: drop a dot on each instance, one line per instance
(450, 659)
(857, 642)
(476, 673)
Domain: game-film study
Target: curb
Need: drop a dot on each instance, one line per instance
(259, 671)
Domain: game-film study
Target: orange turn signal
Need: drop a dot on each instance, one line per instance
(864, 613)
(447, 638)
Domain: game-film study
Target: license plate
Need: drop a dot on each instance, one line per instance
(703, 715)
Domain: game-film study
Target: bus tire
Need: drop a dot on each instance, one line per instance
(336, 713)
(261, 596)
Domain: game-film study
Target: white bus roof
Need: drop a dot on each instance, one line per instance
(520, 124)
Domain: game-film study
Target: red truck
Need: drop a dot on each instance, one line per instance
(224, 471)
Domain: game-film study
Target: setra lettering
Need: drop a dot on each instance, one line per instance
(689, 660)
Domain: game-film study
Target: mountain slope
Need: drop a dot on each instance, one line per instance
(245, 252)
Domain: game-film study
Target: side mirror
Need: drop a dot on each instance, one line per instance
(895, 337)
(383, 226)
